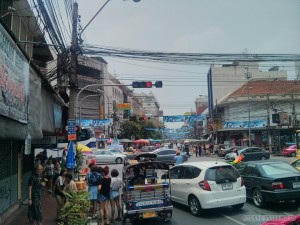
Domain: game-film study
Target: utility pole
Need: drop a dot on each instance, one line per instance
(248, 77)
(268, 124)
(73, 73)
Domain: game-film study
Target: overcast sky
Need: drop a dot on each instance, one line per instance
(200, 26)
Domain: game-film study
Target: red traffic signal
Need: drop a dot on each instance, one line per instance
(142, 84)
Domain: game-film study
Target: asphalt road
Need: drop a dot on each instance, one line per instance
(248, 215)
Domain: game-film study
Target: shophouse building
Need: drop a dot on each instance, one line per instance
(30, 109)
(264, 111)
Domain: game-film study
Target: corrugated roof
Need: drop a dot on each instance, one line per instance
(263, 87)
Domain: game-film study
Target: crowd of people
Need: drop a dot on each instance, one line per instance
(103, 187)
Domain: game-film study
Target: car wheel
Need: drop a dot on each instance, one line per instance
(195, 206)
(119, 160)
(263, 158)
(258, 199)
(293, 154)
(238, 206)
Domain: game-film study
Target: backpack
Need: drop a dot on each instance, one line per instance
(94, 179)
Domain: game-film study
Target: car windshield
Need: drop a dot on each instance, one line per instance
(278, 168)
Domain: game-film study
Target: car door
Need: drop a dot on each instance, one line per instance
(185, 183)
(164, 156)
(250, 175)
(98, 156)
(248, 153)
(175, 184)
(170, 156)
(108, 157)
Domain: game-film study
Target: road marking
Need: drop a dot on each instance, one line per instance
(234, 220)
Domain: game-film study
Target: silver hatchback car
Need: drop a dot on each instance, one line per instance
(107, 156)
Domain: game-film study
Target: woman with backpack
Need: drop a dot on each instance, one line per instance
(93, 180)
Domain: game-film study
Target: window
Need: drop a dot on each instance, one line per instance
(189, 172)
(222, 174)
(251, 170)
(174, 173)
(278, 168)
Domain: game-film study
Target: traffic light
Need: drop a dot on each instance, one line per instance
(146, 84)
(158, 84)
(142, 84)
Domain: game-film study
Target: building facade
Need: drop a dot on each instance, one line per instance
(30, 108)
(266, 112)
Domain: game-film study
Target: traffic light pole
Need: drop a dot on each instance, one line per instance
(88, 86)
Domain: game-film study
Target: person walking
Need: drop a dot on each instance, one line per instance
(49, 172)
(35, 185)
(70, 185)
(104, 195)
(57, 191)
(93, 180)
(115, 186)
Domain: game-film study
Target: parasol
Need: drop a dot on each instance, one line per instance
(83, 148)
(141, 141)
(70, 160)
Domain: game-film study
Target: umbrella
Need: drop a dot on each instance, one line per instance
(83, 148)
(141, 141)
(70, 160)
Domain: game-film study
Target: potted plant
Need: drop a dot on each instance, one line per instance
(75, 211)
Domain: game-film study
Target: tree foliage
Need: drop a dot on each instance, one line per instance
(141, 129)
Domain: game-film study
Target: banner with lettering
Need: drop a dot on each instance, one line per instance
(182, 118)
(244, 124)
(14, 79)
(95, 123)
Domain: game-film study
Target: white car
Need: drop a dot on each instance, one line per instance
(107, 156)
(206, 185)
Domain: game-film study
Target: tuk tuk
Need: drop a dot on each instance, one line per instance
(144, 194)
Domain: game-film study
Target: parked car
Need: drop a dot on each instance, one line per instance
(270, 181)
(289, 151)
(206, 185)
(148, 149)
(250, 154)
(106, 156)
(223, 151)
(296, 164)
(286, 220)
(167, 155)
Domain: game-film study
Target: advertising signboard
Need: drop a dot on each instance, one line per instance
(14, 79)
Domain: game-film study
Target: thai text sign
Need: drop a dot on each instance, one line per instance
(244, 124)
(182, 118)
(124, 106)
(71, 130)
(14, 79)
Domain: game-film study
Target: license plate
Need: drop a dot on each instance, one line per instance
(149, 214)
(148, 203)
(296, 184)
(227, 186)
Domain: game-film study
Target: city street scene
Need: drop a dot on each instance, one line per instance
(129, 112)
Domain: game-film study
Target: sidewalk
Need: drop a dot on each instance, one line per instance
(49, 213)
